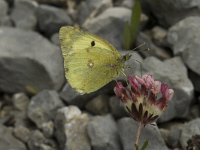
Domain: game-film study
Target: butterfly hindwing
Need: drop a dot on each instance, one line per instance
(88, 71)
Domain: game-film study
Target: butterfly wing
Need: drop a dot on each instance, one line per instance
(72, 39)
(89, 61)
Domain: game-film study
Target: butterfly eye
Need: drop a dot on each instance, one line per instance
(93, 43)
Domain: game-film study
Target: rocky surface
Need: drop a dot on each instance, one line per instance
(188, 45)
(189, 129)
(22, 65)
(43, 106)
(163, 10)
(127, 130)
(40, 111)
(8, 141)
(103, 133)
(23, 14)
(70, 125)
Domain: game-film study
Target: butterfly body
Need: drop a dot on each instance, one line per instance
(89, 61)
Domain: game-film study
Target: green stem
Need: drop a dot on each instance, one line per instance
(140, 126)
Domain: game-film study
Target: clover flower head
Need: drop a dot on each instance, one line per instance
(144, 98)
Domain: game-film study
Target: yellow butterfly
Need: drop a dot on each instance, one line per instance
(90, 62)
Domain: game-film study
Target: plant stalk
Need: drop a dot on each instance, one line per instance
(140, 126)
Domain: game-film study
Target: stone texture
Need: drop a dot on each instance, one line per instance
(23, 14)
(103, 134)
(174, 137)
(28, 62)
(58, 2)
(48, 129)
(184, 39)
(117, 108)
(70, 96)
(50, 19)
(159, 36)
(91, 8)
(43, 107)
(8, 142)
(70, 125)
(189, 129)
(20, 101)
(98, 105)
(55, 39)
(37, 141)
(169, 12)
(127, 128)
(3, 11)
(149, 48)
(22, 133)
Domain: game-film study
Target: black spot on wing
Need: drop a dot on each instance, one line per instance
(93, 43)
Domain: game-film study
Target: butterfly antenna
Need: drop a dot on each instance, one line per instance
(125, 77)
(141, 70)
(138, 46)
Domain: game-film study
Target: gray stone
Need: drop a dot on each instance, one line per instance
(70, 126)
(103, 133)
(43, 107)
(8, 141)
(174, 137)
(165, 9)
(37, 141)
(189, 129)
(22, 133)
(6, 22)
(128, 3)
(110, 24)
(48, 129)
(164, 133)
(194, 112)
(3, 10)
(55, 39)
(71, 97)
(199, 101)
(12, 116)
(20, 101)
(195, 80)
(10, 2)
(127, 128)
(29, 62)
(50, 19)
(180, 35)
(117, 108)
(174, 73)
(159, 36)
(150, 49)
(184, 39)
(23, 14)
(55, 2)
(98, 105)
(91, 8)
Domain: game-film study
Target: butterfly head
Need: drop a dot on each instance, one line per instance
(126, 57)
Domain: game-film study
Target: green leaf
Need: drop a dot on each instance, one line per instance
(135, 19)
(136, 147)
(131, 30)
(127, 36)
(144, 145)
